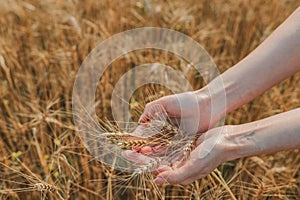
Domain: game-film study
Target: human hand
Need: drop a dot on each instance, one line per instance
(191, 112)
(221, 144)
(213, 148)
(182, 109)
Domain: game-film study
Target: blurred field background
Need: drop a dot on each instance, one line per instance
(43, 43)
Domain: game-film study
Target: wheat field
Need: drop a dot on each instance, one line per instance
(43, 43)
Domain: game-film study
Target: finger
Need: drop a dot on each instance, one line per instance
(158, 149)
(136, 157)
(177, 164)
(142, 130)
(153, 110)
(192, 179)
(177, 175)
(148, 111)
(201, 138)
(146, 150)
(149, 149)
(136, 148)
(161, 169)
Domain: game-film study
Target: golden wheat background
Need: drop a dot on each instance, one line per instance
(43, 43)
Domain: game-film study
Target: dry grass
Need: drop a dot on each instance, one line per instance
(42, 44)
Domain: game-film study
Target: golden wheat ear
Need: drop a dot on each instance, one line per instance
(132, 143)
(44, 187)
(162, 136)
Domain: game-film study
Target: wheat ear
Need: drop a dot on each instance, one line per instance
(132, 143)
(117, 135)
(43, 187)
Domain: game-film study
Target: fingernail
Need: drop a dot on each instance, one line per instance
(158, 148)
(136, 148)
(146, 150)
(159, 180)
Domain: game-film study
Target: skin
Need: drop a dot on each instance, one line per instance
(277, 58)
(273, 134)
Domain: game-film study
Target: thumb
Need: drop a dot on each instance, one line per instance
(153, 110)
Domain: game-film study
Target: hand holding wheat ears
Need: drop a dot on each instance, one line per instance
(277, 58)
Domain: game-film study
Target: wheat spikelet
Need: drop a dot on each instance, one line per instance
(187, 149)
(142, 142)
(132, 143)
(43, 187)
(117, 135)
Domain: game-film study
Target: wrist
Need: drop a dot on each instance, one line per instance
(212, 100)
(242, 140)
(222, 141)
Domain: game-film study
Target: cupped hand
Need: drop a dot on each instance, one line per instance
(213, 148)
(191, 111)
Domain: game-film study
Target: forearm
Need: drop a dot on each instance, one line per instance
(277, 133)
(277, 58)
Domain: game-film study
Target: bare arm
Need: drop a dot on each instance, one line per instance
(277, 133)
(277, 58)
